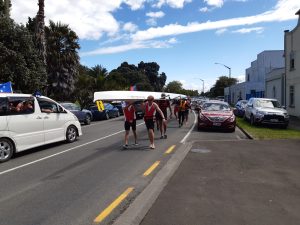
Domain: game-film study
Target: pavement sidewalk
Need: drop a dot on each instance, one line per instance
(232, 183)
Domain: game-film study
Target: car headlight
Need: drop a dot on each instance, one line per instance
(202, 117)
(286, 115)
(231, 119)
(260, 113)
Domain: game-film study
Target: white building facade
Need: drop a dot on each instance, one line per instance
(292, 69)
(254, 85)
(275, 85)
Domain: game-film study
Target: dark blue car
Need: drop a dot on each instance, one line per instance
(109, 111)
(84, 116)
(240, 108)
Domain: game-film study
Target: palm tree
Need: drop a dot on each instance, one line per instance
(62, 60)
(40, 31)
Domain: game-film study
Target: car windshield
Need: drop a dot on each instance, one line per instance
(215, 107)
(67, 106)
(243, 103)
(267, 104)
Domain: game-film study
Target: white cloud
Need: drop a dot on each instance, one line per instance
(158, 14)
(284, 10)
(204, 9)
(258, 30)
(131, 46)
(135, 4)
(215, 3)
(89, 19)
(152, 21)
(130, 27)
(172, 3)
(221, 31)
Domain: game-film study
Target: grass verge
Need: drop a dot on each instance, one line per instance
(262, 132)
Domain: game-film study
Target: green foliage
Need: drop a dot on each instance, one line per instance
(221, 83)
(176, 87)
(19, 60)
(62, 60)
(260, 132)
(151, 71)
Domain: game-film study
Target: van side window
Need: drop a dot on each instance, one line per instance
(47, 106)
(3, 106)
(20, 105)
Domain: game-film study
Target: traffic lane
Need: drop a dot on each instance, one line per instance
(216, 135)
(233, 182)
(92, 132)
(89, 177)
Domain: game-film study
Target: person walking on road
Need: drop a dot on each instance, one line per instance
(163, 104)
(187, 109)
(130, 121)
(150, 109)
(181, 111)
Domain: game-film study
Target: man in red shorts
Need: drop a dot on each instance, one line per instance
(150, 109)
(130, 121)
(163, 104)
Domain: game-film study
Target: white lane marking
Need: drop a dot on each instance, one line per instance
(190, 131)
(59, 153)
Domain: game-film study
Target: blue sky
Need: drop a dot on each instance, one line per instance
(185, 37)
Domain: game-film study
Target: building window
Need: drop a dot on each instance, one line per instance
(292, 61)
(292, 96)
(248, 77)
(274, 92)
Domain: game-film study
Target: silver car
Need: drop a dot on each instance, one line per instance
(266, 111)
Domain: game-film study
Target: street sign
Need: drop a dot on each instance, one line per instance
(100, 105)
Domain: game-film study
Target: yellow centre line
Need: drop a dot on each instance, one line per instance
(151, 168)
(113, 205)
(170, 149)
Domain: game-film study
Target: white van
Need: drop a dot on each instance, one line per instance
(28, 121)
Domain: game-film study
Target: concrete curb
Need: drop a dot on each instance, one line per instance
(135, 213)
(245, 132)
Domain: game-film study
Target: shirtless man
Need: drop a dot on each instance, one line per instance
(130, 121)
(150, 109)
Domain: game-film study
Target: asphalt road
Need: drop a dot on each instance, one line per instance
(73, 183)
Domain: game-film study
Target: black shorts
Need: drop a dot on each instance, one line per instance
(158, 116)
(127, 125)
(149, 124)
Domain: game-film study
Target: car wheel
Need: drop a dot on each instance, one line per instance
(87, 120)
(232, 130)
(252, 120)
(71, 134)
(244, 117)
(6, 149)
(106, 116)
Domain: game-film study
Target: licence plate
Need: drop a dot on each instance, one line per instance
(217, 124)
(274, 120)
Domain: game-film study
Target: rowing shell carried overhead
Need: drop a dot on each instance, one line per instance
(132, 95)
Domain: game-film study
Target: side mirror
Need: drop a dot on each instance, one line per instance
(250, 105)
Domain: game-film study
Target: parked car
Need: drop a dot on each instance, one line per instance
(28, 121)
(109, 111)
(239, 109)
(216, 114)
(118, 104)
(84, 116)
(266, 111)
